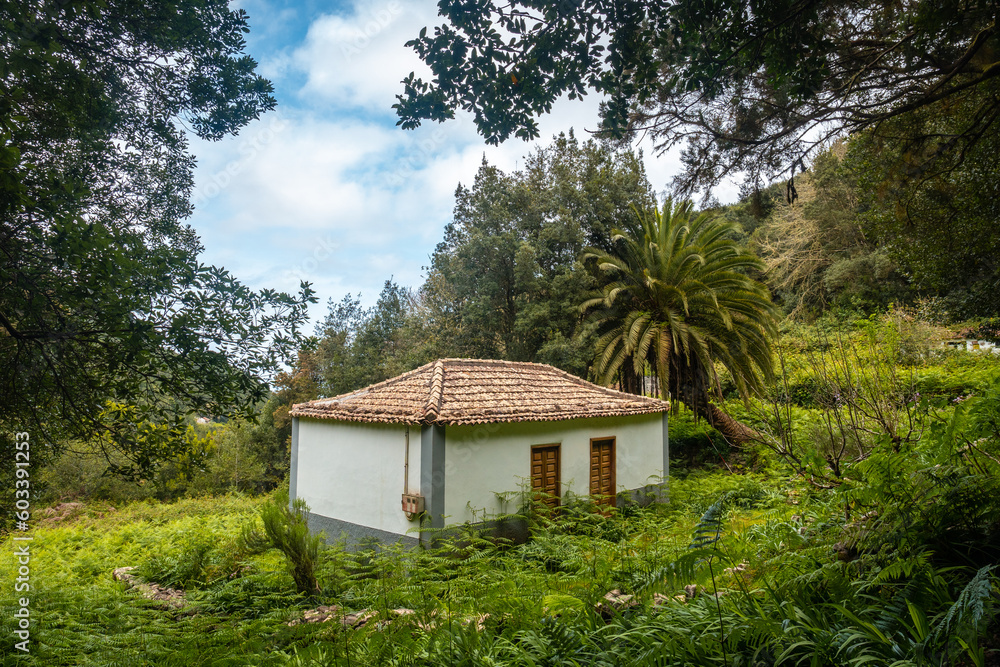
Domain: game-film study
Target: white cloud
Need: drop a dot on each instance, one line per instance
(357, 59)
(306, 174)
(324, 200)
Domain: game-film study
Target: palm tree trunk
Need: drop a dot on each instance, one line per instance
(692, 388)
(732, 430)
(664, 348)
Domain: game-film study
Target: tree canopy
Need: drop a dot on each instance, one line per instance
(507, 275)
(816, 249)
(108, 321)
(937, 221)
(750, 87)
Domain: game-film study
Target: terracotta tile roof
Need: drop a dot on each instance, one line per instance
(479, 391)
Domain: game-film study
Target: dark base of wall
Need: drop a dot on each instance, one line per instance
(644, 496)
(510, 530)
(355, 535)
(513, 529)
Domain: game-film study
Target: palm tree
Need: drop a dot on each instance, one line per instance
(676, 301)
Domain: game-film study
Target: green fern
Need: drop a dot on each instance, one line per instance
(709, 528)
(903, 568)
(286, 529)
(972, 604)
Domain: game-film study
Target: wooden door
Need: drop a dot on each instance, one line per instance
(545, 473)
(602, 470)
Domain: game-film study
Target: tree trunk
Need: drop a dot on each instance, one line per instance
(695, 397)
(629, 382)
(732, 430)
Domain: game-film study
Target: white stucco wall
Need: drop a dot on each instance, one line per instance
(354, 472)
(483, 460)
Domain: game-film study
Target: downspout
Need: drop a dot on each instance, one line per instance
(406, 463)
(413, 505)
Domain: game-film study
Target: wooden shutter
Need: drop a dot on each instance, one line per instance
(545, 473)
(602, 470)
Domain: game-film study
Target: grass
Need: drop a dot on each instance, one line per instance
(82, 616)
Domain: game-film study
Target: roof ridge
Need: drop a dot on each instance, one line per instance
(433, 407)
(579, 381)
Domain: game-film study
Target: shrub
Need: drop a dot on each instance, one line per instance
(694, 440)
(286, 529)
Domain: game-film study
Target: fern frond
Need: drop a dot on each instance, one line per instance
(970, 607)
(709, 528)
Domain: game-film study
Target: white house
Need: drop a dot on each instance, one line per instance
(451, 441)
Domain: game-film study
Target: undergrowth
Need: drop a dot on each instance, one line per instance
(733, 569)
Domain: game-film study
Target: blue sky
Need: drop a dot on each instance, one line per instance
(326, 188)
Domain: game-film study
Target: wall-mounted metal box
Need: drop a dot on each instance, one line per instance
(413, 504)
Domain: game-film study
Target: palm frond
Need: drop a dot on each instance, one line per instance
(678, 298)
